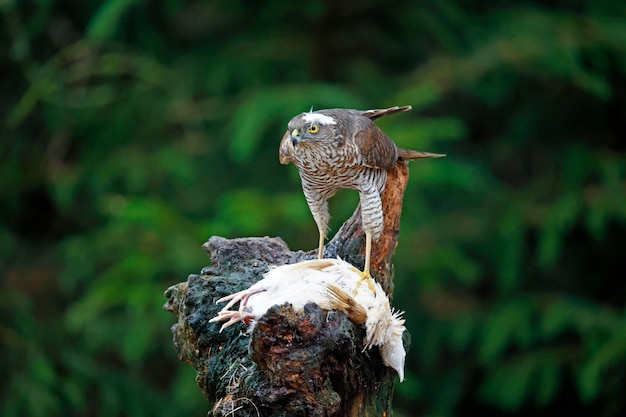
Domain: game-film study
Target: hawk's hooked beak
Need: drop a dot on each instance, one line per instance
(295, 137)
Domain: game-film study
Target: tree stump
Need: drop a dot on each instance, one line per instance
(306, 363)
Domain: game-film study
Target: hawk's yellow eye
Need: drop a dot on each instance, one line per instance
(313, 128)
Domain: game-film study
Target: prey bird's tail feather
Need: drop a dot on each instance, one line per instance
(343, 301)
(409, 155)
(378, 113)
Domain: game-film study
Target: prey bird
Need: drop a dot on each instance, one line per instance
(342, 148)
(332, 284)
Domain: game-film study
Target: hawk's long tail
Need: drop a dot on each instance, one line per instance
(378, 113)
(408, 155)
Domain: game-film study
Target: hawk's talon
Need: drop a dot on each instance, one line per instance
(365, 276)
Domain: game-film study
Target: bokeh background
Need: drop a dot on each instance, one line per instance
(133, 130)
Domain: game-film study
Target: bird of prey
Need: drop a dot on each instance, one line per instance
(332, 284)
(342, 148)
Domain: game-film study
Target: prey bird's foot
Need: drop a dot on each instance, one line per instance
(365, 277)
(233, 317)
(240, 297)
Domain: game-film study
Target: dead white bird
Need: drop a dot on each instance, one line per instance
(332, 284)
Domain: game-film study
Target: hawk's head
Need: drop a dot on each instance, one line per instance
(311, 127)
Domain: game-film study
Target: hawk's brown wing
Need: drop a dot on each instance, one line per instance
(285, 150)
(378, 113)
(377, 150)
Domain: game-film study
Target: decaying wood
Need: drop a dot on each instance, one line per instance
(294, 363)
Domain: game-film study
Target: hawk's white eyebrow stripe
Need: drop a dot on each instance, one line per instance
(319, 118)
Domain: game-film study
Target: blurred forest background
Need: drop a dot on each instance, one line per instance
(134, 130)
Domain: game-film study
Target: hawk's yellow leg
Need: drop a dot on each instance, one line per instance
(365, 275)
(320, 253)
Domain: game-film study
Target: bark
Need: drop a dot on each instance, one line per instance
(294, 363)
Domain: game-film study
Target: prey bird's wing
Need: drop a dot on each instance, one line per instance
(285, 151)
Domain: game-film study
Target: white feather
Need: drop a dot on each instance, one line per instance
(319, 118)
(316, 281)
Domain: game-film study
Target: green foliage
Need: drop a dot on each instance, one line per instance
(135, 130)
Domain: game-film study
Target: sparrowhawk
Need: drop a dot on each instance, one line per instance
(341, 148)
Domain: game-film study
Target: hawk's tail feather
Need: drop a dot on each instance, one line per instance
(378, 113)
(408, 155)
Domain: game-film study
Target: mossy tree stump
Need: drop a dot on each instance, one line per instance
(294, 363)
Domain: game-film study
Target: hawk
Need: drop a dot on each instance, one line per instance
(343, 148)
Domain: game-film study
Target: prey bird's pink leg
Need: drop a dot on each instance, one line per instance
(232, 316)
(240, 314)
(241, 297)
